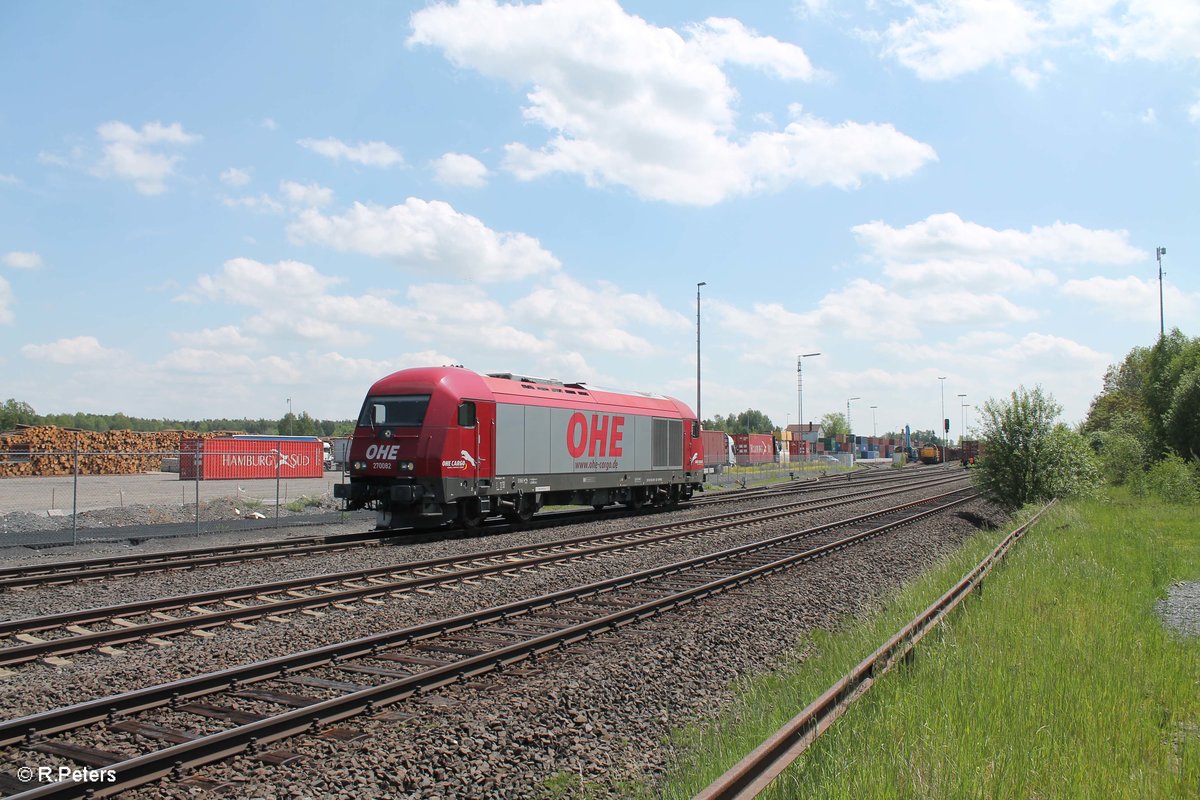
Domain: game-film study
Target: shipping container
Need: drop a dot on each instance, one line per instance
(754, 448)
(797, 448)
(718, 448)
(245, 457)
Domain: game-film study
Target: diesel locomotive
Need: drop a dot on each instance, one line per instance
(437, 445)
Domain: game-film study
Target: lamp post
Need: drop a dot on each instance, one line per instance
(874, 433)
(800, 385)
(942, 421)
(963, 429)
(1159, 252)
(699, 417)
(289, 401)
(850, 430)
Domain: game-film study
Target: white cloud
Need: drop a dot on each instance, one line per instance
(1154, 30)
(1133, 298)
(1149, 117)
(225, 337)
(1044, 349)
(1194, 112)
(235, 177)
(597, 318)
(80, 350)
(268, 124)
(459, 169)
(263, 203)
(371, 154)
(248, 282)
(11, 180)
(947, 38)
(725, 40)
(203, 361)
(52, 159)
(943, 39)
(634, 105)
(306, 196)
(948, 237)
(429, 237)
(978, 273)
(6, 303)
(138, 156)
(1026, 77)
(19, 260)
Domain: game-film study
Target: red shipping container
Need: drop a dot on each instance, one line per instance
(798, 447)
(228, 458)
(754, 448)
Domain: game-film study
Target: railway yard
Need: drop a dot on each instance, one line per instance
(441, 666)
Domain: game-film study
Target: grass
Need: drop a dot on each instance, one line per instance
(302, 502)
(1059, 682)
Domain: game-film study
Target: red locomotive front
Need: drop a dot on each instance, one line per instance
(435, 445)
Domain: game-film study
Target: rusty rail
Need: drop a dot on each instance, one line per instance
(750, 776)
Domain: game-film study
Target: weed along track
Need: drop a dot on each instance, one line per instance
(250, 708)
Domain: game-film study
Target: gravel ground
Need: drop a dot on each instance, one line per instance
(589, 720)
(29, 534)
(1180, 611)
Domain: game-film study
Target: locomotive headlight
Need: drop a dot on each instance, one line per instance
(406, 466)
(360, 465)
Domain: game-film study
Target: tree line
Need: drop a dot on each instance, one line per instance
(1141, 431)
(15, 412)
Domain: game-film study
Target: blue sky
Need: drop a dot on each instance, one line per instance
(209, 208)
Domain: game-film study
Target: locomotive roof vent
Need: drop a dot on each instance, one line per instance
(508, 376)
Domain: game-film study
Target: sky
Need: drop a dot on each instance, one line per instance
(223, 210)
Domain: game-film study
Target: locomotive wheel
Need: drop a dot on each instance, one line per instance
(469, 513)
(524, 511)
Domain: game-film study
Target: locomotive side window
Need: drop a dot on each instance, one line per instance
(695, 429)
(466, 414)
(400, 410)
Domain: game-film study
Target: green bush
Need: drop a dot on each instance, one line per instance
(1027, 457)
(1172, 479)
(1121, 456)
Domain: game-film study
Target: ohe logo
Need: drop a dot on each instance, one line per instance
(382, 452)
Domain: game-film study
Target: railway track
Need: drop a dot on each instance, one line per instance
(312, 692)
(57, 635)
(61, 572)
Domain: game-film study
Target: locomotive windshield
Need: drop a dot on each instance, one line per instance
(406, 411)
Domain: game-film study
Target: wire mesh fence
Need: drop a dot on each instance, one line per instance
(800, 467)
(64, 497)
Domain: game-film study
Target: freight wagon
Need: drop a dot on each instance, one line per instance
(445, 444)
(754, 448)
(718, 449)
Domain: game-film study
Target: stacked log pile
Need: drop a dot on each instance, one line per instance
(48, 450)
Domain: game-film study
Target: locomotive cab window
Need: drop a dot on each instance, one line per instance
(695, 429)
(406, 411)
(466, 414)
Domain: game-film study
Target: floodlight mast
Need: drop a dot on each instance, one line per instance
(1159, 253)
(800, 386)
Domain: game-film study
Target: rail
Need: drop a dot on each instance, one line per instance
(750, 776)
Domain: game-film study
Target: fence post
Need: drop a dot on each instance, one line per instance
(75, 493)
(197, 462)
(278, 470)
